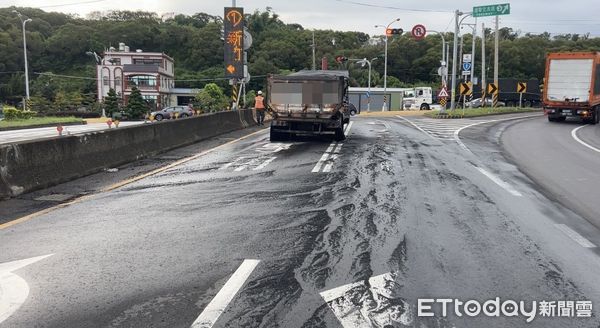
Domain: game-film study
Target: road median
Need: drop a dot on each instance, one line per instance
(31, 165)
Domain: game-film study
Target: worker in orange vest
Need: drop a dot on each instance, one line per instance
(259, 106)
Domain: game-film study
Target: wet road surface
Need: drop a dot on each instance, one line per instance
(343, 234)
(12, 136)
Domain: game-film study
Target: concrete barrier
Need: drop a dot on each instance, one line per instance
(31, 165)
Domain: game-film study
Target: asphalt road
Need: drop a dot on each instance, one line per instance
(567, 169)
(12, 136)
(345, 234)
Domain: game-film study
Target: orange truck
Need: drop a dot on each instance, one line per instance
(572, 86)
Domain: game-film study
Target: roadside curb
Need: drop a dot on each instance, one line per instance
(49, 125)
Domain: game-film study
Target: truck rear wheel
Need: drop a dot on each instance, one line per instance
(595, 117)
(339, 132)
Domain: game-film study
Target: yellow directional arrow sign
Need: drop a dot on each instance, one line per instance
(231, 69)
(521, 87)
(492, 89)
(465, 89)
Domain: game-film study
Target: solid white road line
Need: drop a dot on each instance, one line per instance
(575, 236)
(574, 135)
(217, 306)
(499, 182)
(14, 289)
(264, 164)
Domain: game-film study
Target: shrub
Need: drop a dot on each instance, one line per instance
(11, 114)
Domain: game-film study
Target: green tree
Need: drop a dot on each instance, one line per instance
(111, 102)
(211, 98)
(136, 105)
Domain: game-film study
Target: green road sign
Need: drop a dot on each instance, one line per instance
(491, 10)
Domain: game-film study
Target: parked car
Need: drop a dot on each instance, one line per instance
(476, 103)
(171, 112)
(352, 109)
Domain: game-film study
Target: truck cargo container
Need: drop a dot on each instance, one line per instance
(572, 87)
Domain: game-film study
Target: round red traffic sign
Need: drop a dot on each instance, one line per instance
(418, 31)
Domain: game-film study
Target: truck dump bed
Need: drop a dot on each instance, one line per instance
(308, 103)
(308, 93)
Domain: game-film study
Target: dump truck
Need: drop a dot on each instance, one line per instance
(308, 102)
(572, 86)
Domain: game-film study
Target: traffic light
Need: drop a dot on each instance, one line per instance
(393, 31)
(341, 59)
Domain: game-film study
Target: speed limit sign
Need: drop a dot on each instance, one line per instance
(418, 31)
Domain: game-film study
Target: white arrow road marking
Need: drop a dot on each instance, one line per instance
(217, 306)
(14, 289)
(379, 304)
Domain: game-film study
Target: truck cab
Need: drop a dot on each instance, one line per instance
(419, 98)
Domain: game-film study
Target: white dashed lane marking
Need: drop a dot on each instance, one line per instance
(332, 153)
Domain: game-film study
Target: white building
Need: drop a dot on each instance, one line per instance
(151, 72)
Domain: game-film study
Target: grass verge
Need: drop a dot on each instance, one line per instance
(475, 112)
(37, 121)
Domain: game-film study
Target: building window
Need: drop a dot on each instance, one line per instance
(105, 80)
(142, 81)
(118, 82)
(147, 61)
(115, 61)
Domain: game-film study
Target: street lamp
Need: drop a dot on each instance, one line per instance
(368, 62)
(23, 22)
(99, 78)
(385, 62)
(444, 61)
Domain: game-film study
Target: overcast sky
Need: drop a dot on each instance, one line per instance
(535, 16)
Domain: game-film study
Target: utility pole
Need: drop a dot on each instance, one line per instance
(454, 60)
(473, 51)
(496, 53)
(314, 63)
(384, 108)
(483, 84)
(23, 22)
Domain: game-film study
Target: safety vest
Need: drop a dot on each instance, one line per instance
(259, 102)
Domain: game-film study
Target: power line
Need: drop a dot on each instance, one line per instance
(393, 8)
(71, 4)
(93, 78)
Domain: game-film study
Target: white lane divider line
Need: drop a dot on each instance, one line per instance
(217, 306)
(574, 135)
(499, 182)
(331, 154)
(264, 164)
(347, 129)
(323, 158)
(575, 236)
